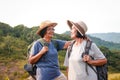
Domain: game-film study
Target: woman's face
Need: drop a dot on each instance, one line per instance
(50, 32)
(73, 32)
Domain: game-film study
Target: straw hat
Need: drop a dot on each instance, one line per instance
(80, 26)
(45, 24)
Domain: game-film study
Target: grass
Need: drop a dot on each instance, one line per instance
(13, 69)
(20, 74)
(114, 76)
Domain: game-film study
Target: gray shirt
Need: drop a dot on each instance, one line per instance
(76, 64)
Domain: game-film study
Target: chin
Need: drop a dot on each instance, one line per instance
(73, 37)
(51, 36)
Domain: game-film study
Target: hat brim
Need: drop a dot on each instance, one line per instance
(48, 25)
(70, 24)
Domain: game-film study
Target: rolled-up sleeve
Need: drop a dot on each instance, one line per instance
(60, 44)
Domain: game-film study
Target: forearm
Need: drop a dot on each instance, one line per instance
(35, 58)
(97, 62)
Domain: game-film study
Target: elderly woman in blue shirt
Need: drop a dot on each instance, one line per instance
(46, 57)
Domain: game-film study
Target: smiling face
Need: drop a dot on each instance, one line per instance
(50, 32)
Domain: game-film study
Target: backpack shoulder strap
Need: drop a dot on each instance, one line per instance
(42, 42)
(30, 46)
(87, 48)
(70, 48)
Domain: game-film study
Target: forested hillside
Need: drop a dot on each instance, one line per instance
(13, 49)
(110, 45)
(111, 37)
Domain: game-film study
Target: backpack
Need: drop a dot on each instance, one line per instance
(31, 68)
(101, 71)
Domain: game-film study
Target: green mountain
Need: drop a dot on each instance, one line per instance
(110, 45)
(111, 37)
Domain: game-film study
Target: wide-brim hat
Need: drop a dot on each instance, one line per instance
(80, 26)
(45, 24)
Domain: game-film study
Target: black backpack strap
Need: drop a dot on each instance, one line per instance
(70, 48)
(87, 48)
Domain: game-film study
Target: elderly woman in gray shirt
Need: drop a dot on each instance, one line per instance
(76, 63)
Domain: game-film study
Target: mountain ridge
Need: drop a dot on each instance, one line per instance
(111, 37)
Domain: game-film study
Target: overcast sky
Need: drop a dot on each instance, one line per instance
(99, 15)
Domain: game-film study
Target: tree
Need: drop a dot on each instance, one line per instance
(5, 29)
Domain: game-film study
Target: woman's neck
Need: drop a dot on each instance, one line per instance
(78, 41)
